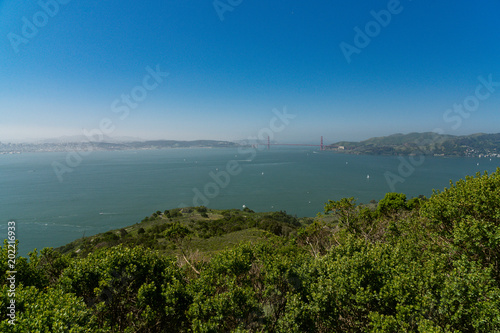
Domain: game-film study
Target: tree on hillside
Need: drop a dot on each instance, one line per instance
(344, 209)
(178, 234)
(391, 203)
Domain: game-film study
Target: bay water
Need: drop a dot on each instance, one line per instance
(113, 189)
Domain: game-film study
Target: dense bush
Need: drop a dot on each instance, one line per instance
(134, 290)
(391, 203)
(407, 266)
(467, 215)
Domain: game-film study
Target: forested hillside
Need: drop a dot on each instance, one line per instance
(429, 143)
(418, 265)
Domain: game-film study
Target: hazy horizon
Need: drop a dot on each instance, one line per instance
(186, 71)
(111, 139)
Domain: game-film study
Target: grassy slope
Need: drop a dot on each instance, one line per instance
(209, 232)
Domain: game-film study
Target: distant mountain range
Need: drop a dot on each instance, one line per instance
(83, 138)
(9, 148)
(428, 143)
(179, 144)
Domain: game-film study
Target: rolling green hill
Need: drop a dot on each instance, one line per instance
(428, 143)
(205, 230)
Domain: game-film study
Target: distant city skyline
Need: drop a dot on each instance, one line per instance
(216, 70)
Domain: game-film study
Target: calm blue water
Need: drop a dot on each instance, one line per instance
(109, 190)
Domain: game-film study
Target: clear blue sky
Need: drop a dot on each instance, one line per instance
(226, 76)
